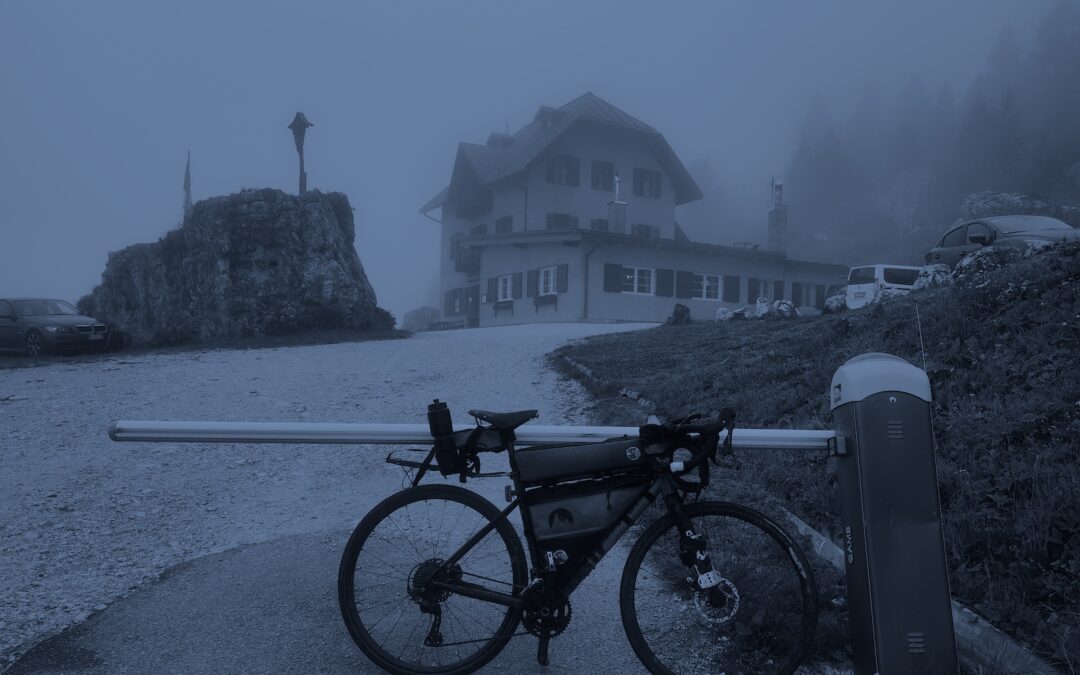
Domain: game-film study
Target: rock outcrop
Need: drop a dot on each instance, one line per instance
(258, 262)
(987, 204)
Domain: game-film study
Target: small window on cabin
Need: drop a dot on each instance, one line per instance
(705, 287)
(638, 280)
(504, 225)
(563, 170)
(603, 175)
(548, 280)
(506, 287)
(647, 183)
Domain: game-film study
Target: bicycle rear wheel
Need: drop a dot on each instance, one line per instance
(761, 617)
(397, 620)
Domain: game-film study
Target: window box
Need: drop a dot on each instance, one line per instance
(541, 300)
(503, 306)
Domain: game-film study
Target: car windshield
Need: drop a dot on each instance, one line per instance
(43, 307)
(861, 275)
(1014, 224)
(900, 276)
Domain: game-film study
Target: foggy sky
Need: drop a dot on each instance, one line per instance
(101, 101)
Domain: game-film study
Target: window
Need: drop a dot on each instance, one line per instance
(954, 238)
(705, 287)
(563, 170)
(561, 221)
(647, 183)
(504, 225)
(549, 277)
(599, 224)
(802, 294)
(506, 288)
(603, 176)
(759, 288)
(861, 275)
(645, 231)
(900, 276)
(478, 229)
(976, 229)
(639, 280)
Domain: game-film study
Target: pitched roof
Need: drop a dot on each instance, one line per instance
(491, 163)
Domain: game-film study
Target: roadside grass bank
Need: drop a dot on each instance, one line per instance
(1002, 350)
(321, 337)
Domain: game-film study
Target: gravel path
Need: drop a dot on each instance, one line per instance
(85, 521)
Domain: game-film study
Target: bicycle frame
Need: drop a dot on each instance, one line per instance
(660, 486)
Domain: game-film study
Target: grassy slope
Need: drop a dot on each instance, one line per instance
(1003, 355)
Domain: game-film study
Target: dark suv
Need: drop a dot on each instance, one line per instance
(37, 326)
(1014, 231)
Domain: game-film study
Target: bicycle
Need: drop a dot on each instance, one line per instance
(435, 579)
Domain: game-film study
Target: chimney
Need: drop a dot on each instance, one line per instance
(778, 225)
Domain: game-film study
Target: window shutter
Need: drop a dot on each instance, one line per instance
(563, 278)
(612, 278)
(517, 285)
(796, 293)
(531, 283)
(684, 283)
(731, 288)
(819, 299)
(778, 290)
(752, 290)
(493, 290)
(665, 283)
(658, 183)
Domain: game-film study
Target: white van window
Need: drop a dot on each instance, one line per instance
(861, 275)
(901, 277)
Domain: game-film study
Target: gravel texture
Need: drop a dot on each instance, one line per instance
(85, 521)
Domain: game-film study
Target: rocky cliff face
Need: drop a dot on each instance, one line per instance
(253, 263)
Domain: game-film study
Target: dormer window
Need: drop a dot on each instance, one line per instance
(563, 170)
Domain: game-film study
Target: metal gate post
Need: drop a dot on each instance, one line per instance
(898, 584)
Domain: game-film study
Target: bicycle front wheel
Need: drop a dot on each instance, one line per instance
(761, 618)
(398, 617)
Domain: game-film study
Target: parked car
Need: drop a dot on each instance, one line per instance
(38, 326)
(1013, 231)
(867, 282)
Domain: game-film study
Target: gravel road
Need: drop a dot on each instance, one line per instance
(86, 522)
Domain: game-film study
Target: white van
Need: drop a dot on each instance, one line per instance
(866, 282)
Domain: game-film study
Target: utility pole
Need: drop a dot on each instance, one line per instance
(299, 125)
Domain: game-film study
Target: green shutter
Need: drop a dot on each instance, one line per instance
(752, 290)
(665, 283)
(819, 296)
(493, 290)
(684, 284)
(563, 278)
(732, 293)
(796, 293)
(517, 285)
(531, 283)
(613, 278)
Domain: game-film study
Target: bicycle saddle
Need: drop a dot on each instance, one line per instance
(507, 421)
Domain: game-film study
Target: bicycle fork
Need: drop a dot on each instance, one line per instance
(693, 548)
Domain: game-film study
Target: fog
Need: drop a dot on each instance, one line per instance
(102, 101)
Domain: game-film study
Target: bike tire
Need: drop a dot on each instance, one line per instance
(508, 563)
(765, 613)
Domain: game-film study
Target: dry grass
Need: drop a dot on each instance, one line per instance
(1003, 356)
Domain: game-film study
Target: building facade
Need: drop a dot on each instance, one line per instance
(572, 218)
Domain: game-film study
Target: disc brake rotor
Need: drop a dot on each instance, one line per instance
(718, 604)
